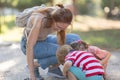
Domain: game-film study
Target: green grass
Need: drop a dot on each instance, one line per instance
(10, 32)
(105, 38)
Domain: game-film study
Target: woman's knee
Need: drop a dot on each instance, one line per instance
(44, 50)
(46, 62)
(71, 37)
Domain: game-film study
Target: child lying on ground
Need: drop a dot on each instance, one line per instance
(100, 54)
(88, 65)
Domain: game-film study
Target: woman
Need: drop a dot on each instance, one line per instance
(37, 43)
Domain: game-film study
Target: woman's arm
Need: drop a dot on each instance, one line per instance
(66, 67)
(105, 60)
(31, 41)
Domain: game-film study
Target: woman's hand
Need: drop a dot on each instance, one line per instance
(32, 78)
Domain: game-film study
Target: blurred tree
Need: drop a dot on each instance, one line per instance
(85, 6)
(75, 11)
(22, 4)
(4, 4)
(51, 2)
(89, 7)
(111, 8)
(18, 4)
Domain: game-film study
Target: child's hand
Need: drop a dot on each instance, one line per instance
(66, 67)
(101, 62)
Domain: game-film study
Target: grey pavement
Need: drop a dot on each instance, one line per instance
(13, 62)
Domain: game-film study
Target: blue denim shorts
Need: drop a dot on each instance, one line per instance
(80, 75)
(45, 51)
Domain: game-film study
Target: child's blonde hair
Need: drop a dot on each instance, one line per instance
(62, 52)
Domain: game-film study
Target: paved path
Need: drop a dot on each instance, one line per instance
(12, 63)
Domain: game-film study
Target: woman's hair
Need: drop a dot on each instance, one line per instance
(65, 16)
(79, 45)
(57, 15)
(60, 14)
(61, 37)
(62, 52)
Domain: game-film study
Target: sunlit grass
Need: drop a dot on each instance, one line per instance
(12, 35)
(7, 18)
(10, 32)
(102, 34)
(4, 28)
(106, 39)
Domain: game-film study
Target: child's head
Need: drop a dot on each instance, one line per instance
(79, 45)
(62, 52)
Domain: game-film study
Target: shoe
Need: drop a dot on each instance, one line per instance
(37, 74)
(36, 79)
(55, 72)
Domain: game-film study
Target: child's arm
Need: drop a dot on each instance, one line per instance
(66, 67)
(105, 60)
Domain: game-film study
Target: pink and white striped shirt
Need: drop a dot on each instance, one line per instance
(89, 64)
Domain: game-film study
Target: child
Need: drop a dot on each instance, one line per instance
(100, 54)
(86, 61)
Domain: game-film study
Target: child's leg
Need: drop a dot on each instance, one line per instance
(71, 76)
(78, 73)
(96, 77)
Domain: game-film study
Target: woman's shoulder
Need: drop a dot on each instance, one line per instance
(37, 16)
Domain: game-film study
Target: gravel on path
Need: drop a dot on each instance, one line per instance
(13, 62)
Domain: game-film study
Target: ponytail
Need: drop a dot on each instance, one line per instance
(60, 5)
(61, 37)
(62, 14)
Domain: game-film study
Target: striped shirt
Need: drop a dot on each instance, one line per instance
(89, 64)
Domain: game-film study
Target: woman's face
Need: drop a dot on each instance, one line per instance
(61, 26)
